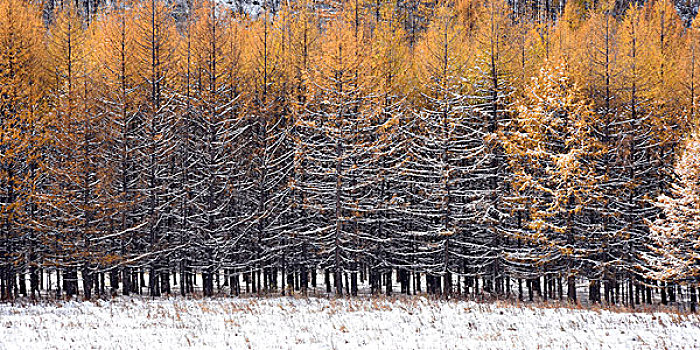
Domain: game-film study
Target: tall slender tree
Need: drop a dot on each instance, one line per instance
(333, 149)
(153, 35)
(553, 155)
(23, 141)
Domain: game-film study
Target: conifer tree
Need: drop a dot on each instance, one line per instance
(689, 66)
(492, 90)
(270, 151)
(631, 147)
(155, 47)
(115, 49)
(600, 81)
(446, 154)
(303, 40)
(332, 129)
(385, 241)
(212, 128)
(23, 138)
(184, 157)
(674, 239)
(79, 194)
(553, 152)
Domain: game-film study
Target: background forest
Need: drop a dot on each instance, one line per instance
(468, 148)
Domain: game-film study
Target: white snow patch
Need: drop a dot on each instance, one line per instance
(289, 323)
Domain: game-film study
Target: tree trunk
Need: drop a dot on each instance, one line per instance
(571, 292)
(693, 298)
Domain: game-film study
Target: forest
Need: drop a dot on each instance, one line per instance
(460, 148)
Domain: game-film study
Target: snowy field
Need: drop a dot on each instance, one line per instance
(289, 323)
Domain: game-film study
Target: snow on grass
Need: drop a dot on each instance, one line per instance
(289, 323)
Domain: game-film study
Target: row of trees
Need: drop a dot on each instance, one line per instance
(467, 146)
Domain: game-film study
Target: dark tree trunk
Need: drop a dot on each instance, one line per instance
(388, 283)
(693, 298)
(664, 300)
(571, 292)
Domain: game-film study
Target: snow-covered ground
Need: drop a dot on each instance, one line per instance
(289, 323)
